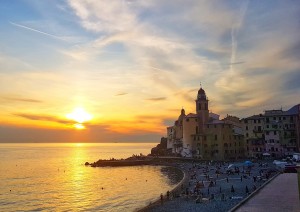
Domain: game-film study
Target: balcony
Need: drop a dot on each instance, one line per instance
(289, 136)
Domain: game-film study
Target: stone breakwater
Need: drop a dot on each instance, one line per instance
(121, 163)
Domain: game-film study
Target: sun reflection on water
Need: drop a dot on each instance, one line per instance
(53, 177)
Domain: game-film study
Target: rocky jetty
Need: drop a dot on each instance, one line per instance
(135, 160)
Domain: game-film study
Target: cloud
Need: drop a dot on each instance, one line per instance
(22, 99)
(121, 94)
(44, 118)
(95, 133)
(157, 99)
(38, 31)
(104, 21)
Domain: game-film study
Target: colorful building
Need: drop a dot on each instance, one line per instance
(274, 133)
(204, 135)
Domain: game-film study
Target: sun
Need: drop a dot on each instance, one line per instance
(80, 116)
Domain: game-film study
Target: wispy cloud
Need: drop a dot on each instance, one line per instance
(38, 31)
(157, 99)
(121, 94)
(22, 99)
(36, 117)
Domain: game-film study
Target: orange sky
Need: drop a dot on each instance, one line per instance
(135, 64)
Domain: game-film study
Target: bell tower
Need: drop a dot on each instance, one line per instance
(202, 106)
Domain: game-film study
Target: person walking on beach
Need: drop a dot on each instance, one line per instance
(161, 198)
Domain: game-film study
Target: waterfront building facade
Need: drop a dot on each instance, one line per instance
(253, 128)
(274, 133)
(204, 135)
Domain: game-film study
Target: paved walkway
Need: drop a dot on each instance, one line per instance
(279, 195)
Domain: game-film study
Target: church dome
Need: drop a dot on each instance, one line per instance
(201, 94)
(201, 91)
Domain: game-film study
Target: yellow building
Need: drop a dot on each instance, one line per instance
(203, 135)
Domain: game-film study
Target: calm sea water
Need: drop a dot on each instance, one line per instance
(52, 177)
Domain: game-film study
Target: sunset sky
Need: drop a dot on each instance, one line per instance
(129, 66)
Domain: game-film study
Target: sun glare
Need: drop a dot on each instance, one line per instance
(79, 126)
(80, 116)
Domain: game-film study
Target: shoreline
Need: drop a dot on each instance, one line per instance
(175, 190)
(216, 192)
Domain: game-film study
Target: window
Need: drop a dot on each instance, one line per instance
(204, 138)
(275, 132)
(199, 106)
(187, 119)
(254, 121)
(274, 118)
(216, 137)
(267, 133)
(215, 126)
(246, 127)
(197, 129)
(247, 135)
(267, 126)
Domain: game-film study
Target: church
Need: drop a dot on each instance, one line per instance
(203, 135)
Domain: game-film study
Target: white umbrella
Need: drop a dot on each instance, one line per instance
(231, 165)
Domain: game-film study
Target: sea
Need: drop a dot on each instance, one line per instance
(53, 177)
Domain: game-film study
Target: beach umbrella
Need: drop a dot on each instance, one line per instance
(248, 163)
(230, 166)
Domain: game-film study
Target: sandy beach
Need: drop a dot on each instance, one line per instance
(213, 186)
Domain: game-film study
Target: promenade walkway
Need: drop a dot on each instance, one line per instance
(279, 195)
